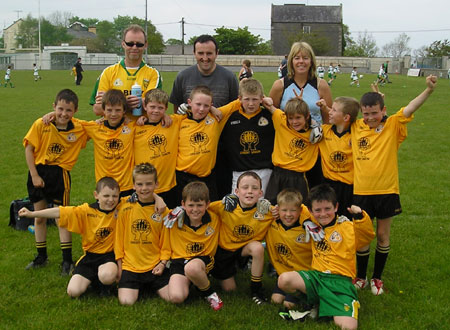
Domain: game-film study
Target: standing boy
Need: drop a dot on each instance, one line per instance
(8, 77)
(78, 70)
(329, 283)
(138, 241)
(97, 224)
(191, 246)
(36, 73)
(375, 142)
(354, 77)
(243, 227)
(51, 151)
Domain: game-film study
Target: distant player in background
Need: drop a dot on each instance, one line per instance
(246, 71)
(381, 78)
(78, 70)
(331, 74)
(8, 77)
(321, 71)
(354, 77)
(36, 73)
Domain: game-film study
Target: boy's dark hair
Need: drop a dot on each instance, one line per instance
(67, 95)
(290, 196)
(251, 86)
(106, 181)
(350, 106)
(158, 96)
(204, 38)
(145, 168)
(297, 106)
(249, 173)
(201, 89)
(372, 98)
(196, 191)
(322, 192)
(134, 28)
(114, 97)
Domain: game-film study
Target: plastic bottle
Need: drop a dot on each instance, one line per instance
(31, 229)
(137, 91)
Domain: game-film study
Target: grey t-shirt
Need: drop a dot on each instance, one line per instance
(222, 82)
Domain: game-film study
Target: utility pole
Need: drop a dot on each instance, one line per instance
(39, 27)
(146, 31)
(182, 35)
(18, 12)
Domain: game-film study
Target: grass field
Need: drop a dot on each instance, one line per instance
(416, 275)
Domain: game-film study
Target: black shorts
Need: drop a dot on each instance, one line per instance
(184, 178)
(344, 194)
(379, 206)
(281, 179)
(177, 265)
(225, 263)
(146, 281)
(57, 185)
(87, 265)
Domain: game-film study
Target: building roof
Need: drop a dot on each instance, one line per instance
(294, 13)
(15, 22)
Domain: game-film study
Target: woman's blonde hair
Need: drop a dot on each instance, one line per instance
(305, 49)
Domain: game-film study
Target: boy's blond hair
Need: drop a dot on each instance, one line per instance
(350, 106)
(251, 86)
(290, 196)
(158, 96)
(306, 49)
(106, 181)
(296, 106)
(145, 168)
(251, 174)
(200, 89)
(196, 191)
(114, 97)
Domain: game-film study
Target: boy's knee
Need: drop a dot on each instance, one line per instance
(126, 300)
(74, 292)
(40, 221)
(177, 298)
(277, 298)
(107, 277)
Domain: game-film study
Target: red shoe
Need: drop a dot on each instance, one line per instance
(215, 302)
(377, 286)
(360, 283)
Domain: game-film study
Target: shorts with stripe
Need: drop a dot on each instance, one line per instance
(87, 265)
(379, 206)
(144, 281)
(56, 188)
(177, 265)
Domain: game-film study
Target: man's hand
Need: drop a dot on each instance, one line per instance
(133, 101)
(314, 231)
(174, 215)
(99, 97)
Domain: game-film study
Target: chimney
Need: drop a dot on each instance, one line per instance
(92, 29)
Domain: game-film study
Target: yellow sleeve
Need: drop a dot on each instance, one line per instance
(364, 233)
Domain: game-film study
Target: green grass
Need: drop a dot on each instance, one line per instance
(416, 274)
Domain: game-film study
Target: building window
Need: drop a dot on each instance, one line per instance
(306, 29)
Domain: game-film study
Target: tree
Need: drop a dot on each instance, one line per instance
(439, 48)
(60, 18)
(27, 36)
(86, 21)
(240, 41)
(398, 47)
(364, 46)
(107, 39)
(2, 42)
(318, 41)
(53, 35)
(173, 41)
(346, 38)
(420, 52)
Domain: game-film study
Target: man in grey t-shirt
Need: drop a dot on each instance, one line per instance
(222, 82)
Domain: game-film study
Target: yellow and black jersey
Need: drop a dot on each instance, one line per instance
(336, 155)
(96, 227)
(198, 140)
(336, 253)
(248, 140)
(286, 246)
(138, 237)
(113, 151)
(189, 242)
(53, 146)
(292, 150)
(158, 146)
(118, 76)
(241, 226)
(375, 155)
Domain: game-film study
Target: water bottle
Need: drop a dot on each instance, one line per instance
(137, 91)
(31, 229)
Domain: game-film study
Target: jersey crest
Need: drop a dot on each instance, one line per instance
(118, 82)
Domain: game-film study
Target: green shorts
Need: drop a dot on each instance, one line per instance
(335, 294)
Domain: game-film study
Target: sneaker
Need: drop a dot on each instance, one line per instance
(67, 268)
(377, 286)
(214, 301)
(38, 262)
(259, 298)
(360, 283)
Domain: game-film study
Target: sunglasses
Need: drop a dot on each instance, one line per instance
(132, 43)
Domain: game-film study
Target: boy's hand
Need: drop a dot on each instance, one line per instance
(160, 205)
(133, 198)
(275, 212)
(300, 97)
(159, 269)
(216, 113)
(230, 202)
(267, 102)
(263, 206)
(374, 87)
(314, 231)
(316, 132)
(38, 182)
(431, 82)
(174, 215)
(354, 209)
(48, 118)
(166, 121)
(100, 121)
(141, 121)
(321, 103)
(24, 212)
(183, 109)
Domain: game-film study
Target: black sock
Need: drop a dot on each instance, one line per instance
(255, 283)
(42, 249)
(362, 260)
(66, 248)
(205, 292)
(381, 255)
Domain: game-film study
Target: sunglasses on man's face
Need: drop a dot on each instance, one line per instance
(131, 44)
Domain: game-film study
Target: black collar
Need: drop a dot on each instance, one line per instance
(295, 224)
(69, 127)
(96, 206)
(106, 123)
(205, 219)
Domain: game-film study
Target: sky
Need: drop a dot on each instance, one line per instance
(423, 21)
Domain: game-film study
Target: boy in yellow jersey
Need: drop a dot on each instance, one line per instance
(138, 241)
(293, 153)
(191, 246)
(97, 224)
(158, 145)
(287, 242)
(198, 139)
(113, 142)
(243, 227)
(51, 151)
(329, 283)
(375, 142)
(336, 150)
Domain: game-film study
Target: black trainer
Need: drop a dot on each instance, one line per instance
(67, 268)
(258, 297)
(38, 262)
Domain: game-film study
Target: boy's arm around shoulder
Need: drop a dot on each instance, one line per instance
(415, 104)
(45, 213)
